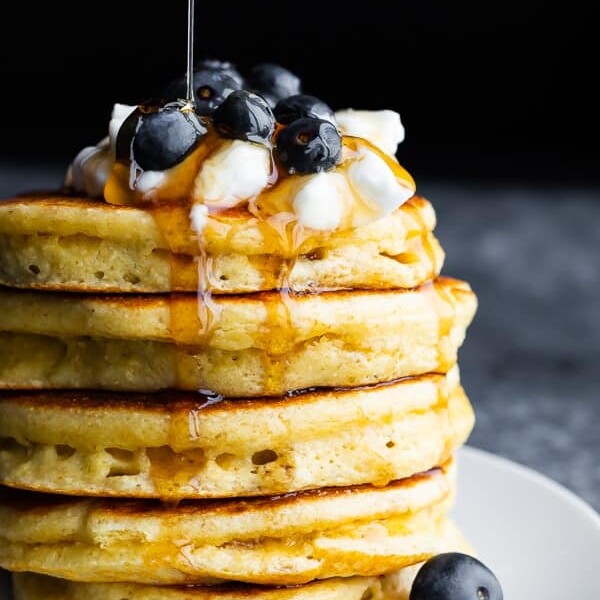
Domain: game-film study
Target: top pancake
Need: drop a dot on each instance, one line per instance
(75, 244)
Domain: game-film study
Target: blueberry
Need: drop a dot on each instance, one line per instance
(244, 115)
(213, 81)
(221, 65)
(158, 135)
(455, 576)
(273, 82)
(309, 146)
(302, 105)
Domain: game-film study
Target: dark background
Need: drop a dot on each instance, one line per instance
(491, 90)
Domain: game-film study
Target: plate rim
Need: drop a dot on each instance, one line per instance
(548, 483)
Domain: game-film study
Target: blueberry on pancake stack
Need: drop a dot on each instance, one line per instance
(229, 361)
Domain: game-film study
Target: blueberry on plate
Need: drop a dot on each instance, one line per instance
(455, 576)
(244, 115)
(308, 146)
(157, 135)
(273, 82)
(302, 105)
(213, 81)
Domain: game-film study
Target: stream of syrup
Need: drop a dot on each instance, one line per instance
(189, 74)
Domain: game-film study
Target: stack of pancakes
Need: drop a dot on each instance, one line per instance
(183, 425)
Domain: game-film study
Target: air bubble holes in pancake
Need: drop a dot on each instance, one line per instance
(64, 451)
(131, 278)
(125, 462)
(263, 457)
(22, 452)
(226, 461)
(367, 594)
(120, 462)
(315, 254)
(19, 450)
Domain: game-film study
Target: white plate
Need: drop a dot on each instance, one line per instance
(540, 539)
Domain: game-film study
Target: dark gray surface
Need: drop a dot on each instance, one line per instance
(530, 360)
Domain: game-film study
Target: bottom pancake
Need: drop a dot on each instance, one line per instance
(281, 540)
(28, 586)
(393, 586)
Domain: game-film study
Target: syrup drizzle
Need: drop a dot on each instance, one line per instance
(284, 235)
(207, 310)
(189, 75)
(287, 239)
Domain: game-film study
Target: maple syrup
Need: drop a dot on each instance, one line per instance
(284, 236)
(170, 205)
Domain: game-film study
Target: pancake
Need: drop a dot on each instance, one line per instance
(76, 244)
(28, 586)
(181, 445)
(254, 345)
(279, 540)
(393, 586)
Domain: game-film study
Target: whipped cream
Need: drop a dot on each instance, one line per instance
(199, 217)
(89, 170)
(383, 128)
(320, 202)
(365, 191)
(119, 113)
(235, 173)
(147, 181)
(376, 184)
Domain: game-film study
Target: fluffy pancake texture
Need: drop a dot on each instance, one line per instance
(281, 540)
(263, 344)
(76, 244)
(392, 586)
(180, 445)
(29, 586)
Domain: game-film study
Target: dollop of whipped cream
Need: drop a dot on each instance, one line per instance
(89, 171)
(368, 190)
(375, 183)
(383, 128)
(235, 173)
(320, 202)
